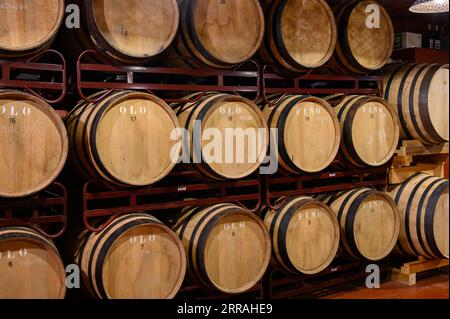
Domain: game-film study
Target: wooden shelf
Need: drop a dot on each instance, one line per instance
(421, 55)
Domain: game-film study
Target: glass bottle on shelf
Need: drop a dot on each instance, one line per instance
(437, 38)
(428, 40)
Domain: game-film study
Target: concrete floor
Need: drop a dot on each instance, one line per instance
(435, 287)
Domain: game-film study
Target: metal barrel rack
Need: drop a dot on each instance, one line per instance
(44, 76)
(100, 201)
(171, 84)
(45, 211)
(278, 284)
(164, 81)
(282, 185)
(319, 84)
(37, 76)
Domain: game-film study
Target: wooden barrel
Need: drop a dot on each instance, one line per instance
(308, 132)
(132, 31)
(124, 139)
(34, 144)
(370, 130)
(419, 93)
(218, 33)
(228, 247)
(305, 235)
(30, 266)
(300, 34)
(28, 27)
(423, 204)
(369, 221)
(228, 135)
(363, 44)
(136, 257)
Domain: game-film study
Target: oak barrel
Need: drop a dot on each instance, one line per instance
(305, 235)
(419, 93)
(228, 135)
(365, 43)
(135, 257)
(124, 139)
(300, 34)
(369, 222)
(28, 27)
(308, 132)
(219, 33)
(30, 266)
(423, 204)
(228, 247)
(370, 130)
(33, 145)
(130, 32)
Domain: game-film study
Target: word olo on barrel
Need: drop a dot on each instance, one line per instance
(135, 257)
(30, 266)
(35, 144)
(225, 136)
(123, 139)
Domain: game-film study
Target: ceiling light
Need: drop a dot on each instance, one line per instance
(429, 6)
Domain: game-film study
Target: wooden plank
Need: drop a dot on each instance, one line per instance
(423, 265)
(406, 279)
(407, 274)
(398, 175)
(415, 148)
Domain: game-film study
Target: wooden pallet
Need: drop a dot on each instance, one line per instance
(407, 273)
(413, 157)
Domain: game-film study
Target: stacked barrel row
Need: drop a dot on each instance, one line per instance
(293, 35)
(127, 138)
(227, 249)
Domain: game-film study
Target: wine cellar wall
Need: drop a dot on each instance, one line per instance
(210, 149)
